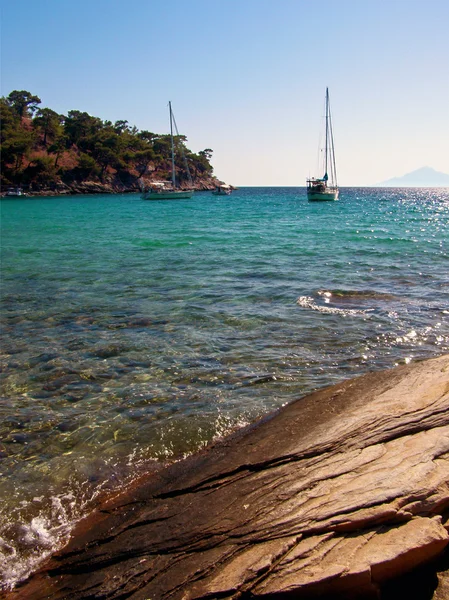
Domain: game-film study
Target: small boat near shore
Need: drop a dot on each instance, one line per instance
(165, 191)
(222, 190)
(15, 192)
(326, 187)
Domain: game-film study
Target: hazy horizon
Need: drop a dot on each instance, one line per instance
(247, 79)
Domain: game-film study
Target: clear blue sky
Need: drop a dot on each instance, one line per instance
(247, 77)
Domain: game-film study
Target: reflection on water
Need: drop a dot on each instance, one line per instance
(135, 333)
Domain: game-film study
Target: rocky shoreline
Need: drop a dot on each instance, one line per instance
(341, 494)
(111, 187)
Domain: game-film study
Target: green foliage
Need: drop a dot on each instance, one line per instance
(121, 126)
(101, 148)
(142, 160)
(202, 161)
(23, 103)
(60, 143)
(80, 126)
(147, 136)
(16, 143)
(41, 171)
(206, 154)
(87, 166)
(49, 123)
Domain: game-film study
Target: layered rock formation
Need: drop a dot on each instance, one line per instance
(342, 494)
(115, 186)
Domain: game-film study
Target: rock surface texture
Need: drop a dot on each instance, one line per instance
(337, 495)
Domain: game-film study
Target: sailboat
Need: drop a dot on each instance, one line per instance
(159, 190)
(326, 187)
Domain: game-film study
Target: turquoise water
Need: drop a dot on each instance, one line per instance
(136, 332)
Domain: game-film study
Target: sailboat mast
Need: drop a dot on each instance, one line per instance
(327, 133)
(172, 149)
(333, 166)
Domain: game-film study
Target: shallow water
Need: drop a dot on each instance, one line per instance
(136, 332)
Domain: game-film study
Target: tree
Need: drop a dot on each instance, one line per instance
(121, 126)
(19, 146)
(142, 160)
(201, 162)
(41, 171)
(79, 125)
(16, 142)
(162, 146)
(104, 146)
(23, 102)
(48, 121)
(147, 136)
(58, 146)
(207, 154)
(87, 165)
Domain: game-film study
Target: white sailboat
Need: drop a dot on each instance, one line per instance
(326, 187)
(159, 190)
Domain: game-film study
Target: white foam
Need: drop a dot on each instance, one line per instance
(26, 543)
(309, 302)
(39, 539)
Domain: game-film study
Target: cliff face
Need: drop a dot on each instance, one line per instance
(342, 494)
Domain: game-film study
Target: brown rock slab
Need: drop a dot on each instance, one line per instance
(335, 495)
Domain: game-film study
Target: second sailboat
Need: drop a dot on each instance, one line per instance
(159, 191)
(326, 187)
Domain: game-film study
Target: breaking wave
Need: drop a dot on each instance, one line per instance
(309, 302)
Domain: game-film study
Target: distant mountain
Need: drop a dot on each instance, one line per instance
(424, 177)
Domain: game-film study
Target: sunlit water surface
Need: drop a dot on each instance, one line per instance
(136, 332)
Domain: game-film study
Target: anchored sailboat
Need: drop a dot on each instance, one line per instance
(326, 187)
(160, 191)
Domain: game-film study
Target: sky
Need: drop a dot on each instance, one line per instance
(247, 78)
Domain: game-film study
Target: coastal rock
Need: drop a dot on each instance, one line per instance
(342, 494)
(116, 185)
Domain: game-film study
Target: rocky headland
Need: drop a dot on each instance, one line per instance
(341, 494)
(45, 153)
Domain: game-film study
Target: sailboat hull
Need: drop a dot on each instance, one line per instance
(327, 195)
(173, 195)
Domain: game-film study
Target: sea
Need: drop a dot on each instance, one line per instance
(134, 332)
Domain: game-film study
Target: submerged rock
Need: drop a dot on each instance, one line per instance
(342, 494)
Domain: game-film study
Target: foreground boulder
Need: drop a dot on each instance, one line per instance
(342, 494)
